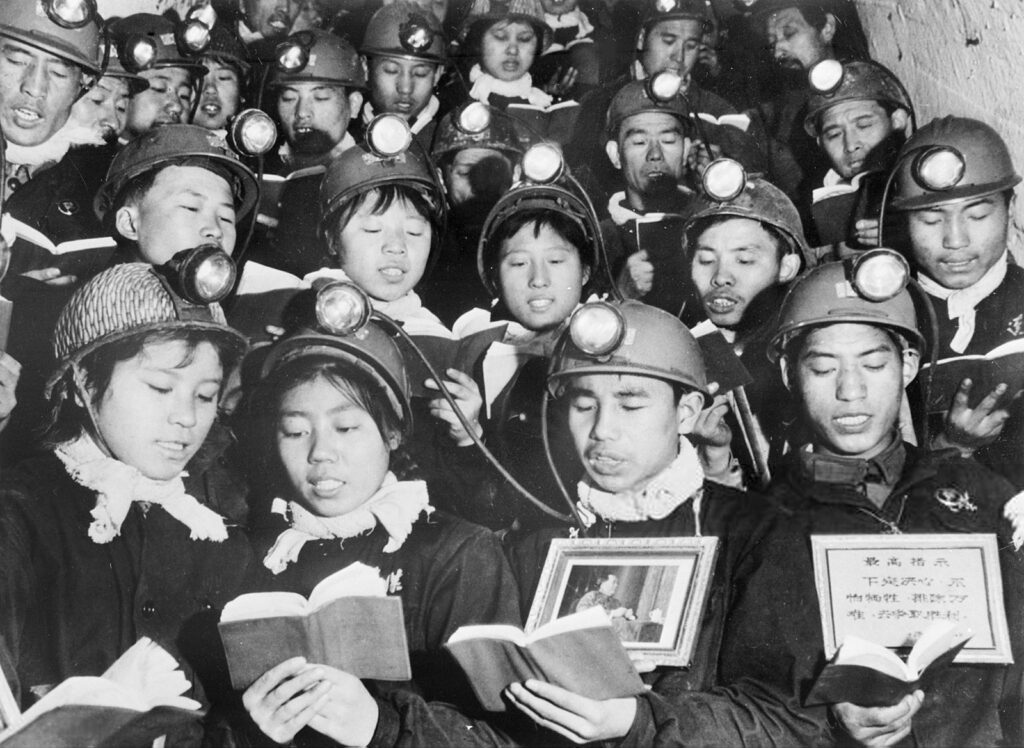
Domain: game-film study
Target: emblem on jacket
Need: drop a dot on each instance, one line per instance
(1016, 326)
(955, 500)
(67, 207)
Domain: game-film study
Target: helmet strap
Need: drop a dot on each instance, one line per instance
(82, 393)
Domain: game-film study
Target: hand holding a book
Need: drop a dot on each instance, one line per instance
(467, 396)
(713, 437)
(879, 725)
(637, 277)
(561, 83)
(10, 372)
(287, 697)
(51, 276)
(865, 231)
(349, 713)
(576, 717)
(968, 429)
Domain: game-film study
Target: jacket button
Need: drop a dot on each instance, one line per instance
(206, 605)
(148, 609)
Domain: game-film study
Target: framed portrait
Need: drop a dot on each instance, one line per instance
(888, 589)
(653, 589)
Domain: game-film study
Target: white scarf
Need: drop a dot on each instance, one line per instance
(424, 118)
(54, 148)
(484, 84)
(409, 309)
(672, 487)
(961, 303)
(396, 506)
(118, 485)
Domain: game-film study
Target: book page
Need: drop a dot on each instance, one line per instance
(264, 605)
(1007, 349)
(489, 631)
(590, 618)
(150, 672)
(936, 640)
(857, 651)
(355, 580)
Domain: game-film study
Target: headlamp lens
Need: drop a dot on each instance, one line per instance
(204, 13)
(71, 14)
(724, 180)
(665, 6)
(880, 274)
(940, 168)
(342, 308)
(253, 132)
(543, 163)
(291, 56)
(194, 36)
(664, 86)
(205, 274)
(415, 35)
(139, 53)
(475, 118)
(387, 135)
(826, 76)
(597, 328)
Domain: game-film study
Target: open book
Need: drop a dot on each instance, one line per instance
(272, 187)
(579, 652)
(79, 257)
(1005, 363)
(135, 701)
(723, 365)
(348, 622)
(868, 674)
(738, 120)
(556, 122)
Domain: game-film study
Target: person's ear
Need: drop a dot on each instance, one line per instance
(394, 441)
(586, 276)
(126, 221)
(789, 267)
(899, 120)
(689, 408)
(911, 365)
(828, 31)
(437, 75)
(784, 370)
(612, 149)
(355, 103)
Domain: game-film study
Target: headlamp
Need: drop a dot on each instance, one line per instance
(939, 168)
(597, 328)
(342, 308)
(137, 53)
(203, 275)
(193, 35)
(253, 132)
(474, 118)
(880, 274)
(543, 163)
(724, 180)
(665, 6)
(388, 135)
(415, 35)
(664, 86)
(71, 14)
(826, 76)
(292, 55)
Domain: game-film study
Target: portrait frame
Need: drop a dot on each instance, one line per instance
(665, 585)
(977, 555)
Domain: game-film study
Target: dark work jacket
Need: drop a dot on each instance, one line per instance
(968, 705)
(451, 573)
(749, 660)
(72, 606)
(999, 319)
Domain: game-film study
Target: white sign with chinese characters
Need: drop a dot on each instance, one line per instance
(889, 588)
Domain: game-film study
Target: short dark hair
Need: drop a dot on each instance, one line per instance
(563, 225)
(68, 418)
(383, 198)
(783, 244)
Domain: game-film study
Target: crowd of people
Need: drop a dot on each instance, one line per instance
(430, 284)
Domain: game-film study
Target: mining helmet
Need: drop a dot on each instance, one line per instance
(833, 82)
(227, 47)
(659, 93)
(176, 145)
(726, 190)
(486, 13)
(41, 24)
(475, 125)
(656, 11)
(870, 289)
(115, 69)
(128, 300)
(628, 337)
(404, 30)
(333, 320)
(387, 156)
(315, 56)
(146, 40)
(952, 159)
